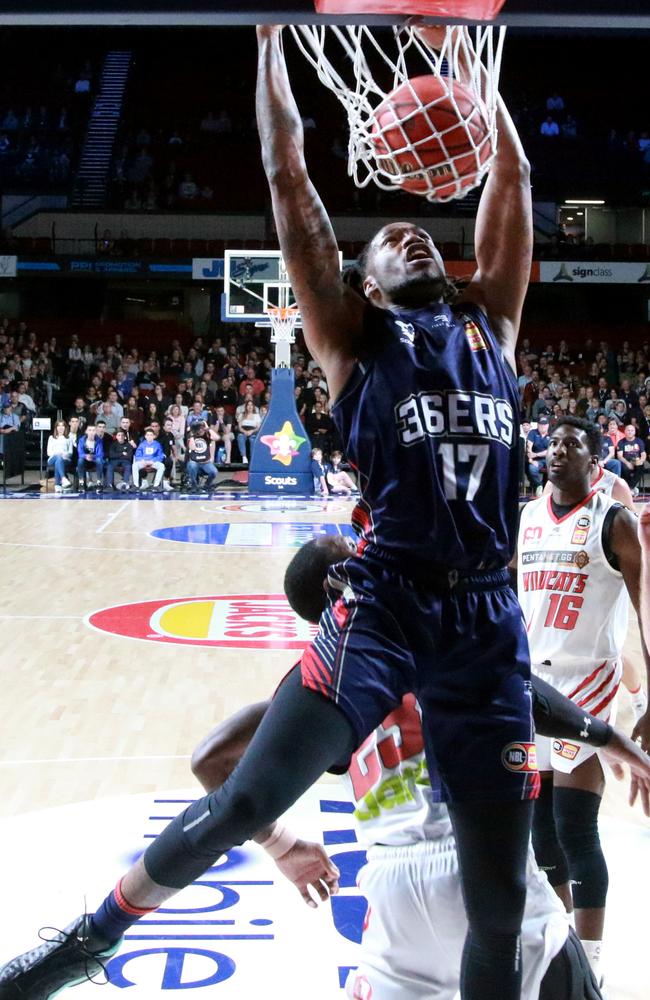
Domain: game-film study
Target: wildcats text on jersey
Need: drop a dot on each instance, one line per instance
(549, 579)
(454, 412)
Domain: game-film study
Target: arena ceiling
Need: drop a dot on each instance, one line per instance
(603, 14)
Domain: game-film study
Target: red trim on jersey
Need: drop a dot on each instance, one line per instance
(593, 694)
(534, 786)
(601, 473)
(605, 702)
(340, 613)
(123, 903)
(314, 671)
(560, 520)
(583, 684)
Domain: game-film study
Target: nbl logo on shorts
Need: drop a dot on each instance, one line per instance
(519, 757)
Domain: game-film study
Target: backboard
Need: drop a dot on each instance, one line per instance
(253, 280)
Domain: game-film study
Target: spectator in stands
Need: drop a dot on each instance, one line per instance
(542, 405)
(247, 427)
(614, 431)
(149, 456)
(59, 455)
(90, 459)
(226, 396)
(177, 418)
(318, 472)
(222, 432)
(120, 459)
(129, 433)
(251, 382)
(165, 437)
(555, 103)
(187, 189)
(632, 456)
(200, 452)
(628, 394)
(620, 412)
(197, 414)
(110, 418)
(338, 480)
(608, 458)
(536, 447)
(9, 422)
(135, 414)
(570, 127)
(319, 427)
(549, 128)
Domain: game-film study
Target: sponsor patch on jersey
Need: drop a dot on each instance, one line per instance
(475, 338)
(581, 530)
(581, 559)
(519, 757)
(562, 557)
(569, 751)
(532, 534)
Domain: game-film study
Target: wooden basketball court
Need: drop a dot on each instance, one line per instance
(91, 715)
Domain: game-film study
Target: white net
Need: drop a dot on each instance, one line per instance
(421, 102)
(283, 323)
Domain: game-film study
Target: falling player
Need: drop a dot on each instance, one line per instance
(426, 400)
(411, 879)
(578, 557)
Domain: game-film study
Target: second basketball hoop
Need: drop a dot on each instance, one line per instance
(421, 102)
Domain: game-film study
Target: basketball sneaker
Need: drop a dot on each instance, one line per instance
(73, 956)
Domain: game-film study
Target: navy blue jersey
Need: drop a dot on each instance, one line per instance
(430, 420)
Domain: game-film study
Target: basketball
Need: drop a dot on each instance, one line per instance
(432, 133)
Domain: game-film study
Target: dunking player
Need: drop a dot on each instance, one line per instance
(616, 487)
(411, 880)
(426, 401)
(578, 555)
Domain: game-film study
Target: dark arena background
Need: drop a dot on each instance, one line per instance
(134, 216)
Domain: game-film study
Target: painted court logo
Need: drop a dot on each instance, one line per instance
(245, 621)
(284, 444)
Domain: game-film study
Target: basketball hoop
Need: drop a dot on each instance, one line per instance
(365, 67)
(283, 324)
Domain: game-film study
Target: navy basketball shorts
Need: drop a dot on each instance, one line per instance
(462, 649)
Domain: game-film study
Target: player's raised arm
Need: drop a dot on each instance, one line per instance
(504, 237)
(331, 313)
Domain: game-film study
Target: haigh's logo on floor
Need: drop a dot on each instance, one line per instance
(248, 621)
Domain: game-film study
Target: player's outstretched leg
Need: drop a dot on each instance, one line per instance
(492, 841)
(301, 735)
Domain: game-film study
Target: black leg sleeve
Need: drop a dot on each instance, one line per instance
(300, 737)
(492, 841)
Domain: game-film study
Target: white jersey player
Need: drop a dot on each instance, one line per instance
(578, 559)
(575, 607)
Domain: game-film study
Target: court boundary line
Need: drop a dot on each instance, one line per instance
(111, 517)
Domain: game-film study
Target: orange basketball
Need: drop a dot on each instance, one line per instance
(417, 140)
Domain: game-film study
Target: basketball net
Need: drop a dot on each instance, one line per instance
(283, 323)
(362, 65)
